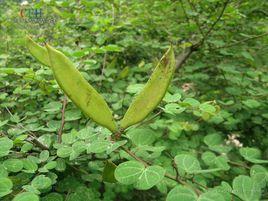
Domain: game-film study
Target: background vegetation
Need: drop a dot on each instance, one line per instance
(215, 112)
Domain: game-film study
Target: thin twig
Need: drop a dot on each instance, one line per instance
(241, 41)
(33, 137)
(196, 18)
(239, 164)
(64, 103)
(103, 67)
(150, 119)
(146, 164)
(216, 21)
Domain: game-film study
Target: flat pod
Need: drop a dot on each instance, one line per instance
(39, 52)
(79, 90)
(152, 93)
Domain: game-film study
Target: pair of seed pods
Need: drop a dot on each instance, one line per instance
(85, 97)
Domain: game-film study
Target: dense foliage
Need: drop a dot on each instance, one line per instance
(207, 140)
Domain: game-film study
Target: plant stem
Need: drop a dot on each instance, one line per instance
(64, 103)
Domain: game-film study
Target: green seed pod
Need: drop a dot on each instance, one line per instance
(39, 52)
(79, 90)
(152, 93)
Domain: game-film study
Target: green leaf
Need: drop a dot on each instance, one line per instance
(64, 152)
(252, 154)
(187, 162)
(129, 172)
(26, 196)
(44, 155)
(141, 136)
(213, 139)
(209, 158)
(2, 123)
(246, 188)
(112, 48)
(247, 55)
(53, 107)
(72, 115)
(61, 165)
(5, 145)
(133, 172)
(87, 133)
(211, 195)
(13, 165)
(206, 107)
(29, 166)
(5, 186)
(251, 103)
(3, 171)
(113, 146)
(69, 138)
(98, 146)
(173, 108)
(150, 176)
(51, 165)
(181, 193)
(41, 182)
(222, 162)
(108, 172)
(259, 174)
(172, 98)
(191, 102)
(31, 189)
(134, 88)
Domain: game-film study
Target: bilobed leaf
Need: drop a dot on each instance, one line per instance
(64, 152)
(188, 163)
(39, 52)
(259, 174)
(209, 158)
(222, 162)
(246, 188)
(26, 196)
(141, 136)
(29, 166)
(133, 172)
(181, 193)
(5, 186)
(79, 90)
(213, 139)
(153, 91)
(252, 154)
(129, 172)
(150, 176)
(41, 182)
